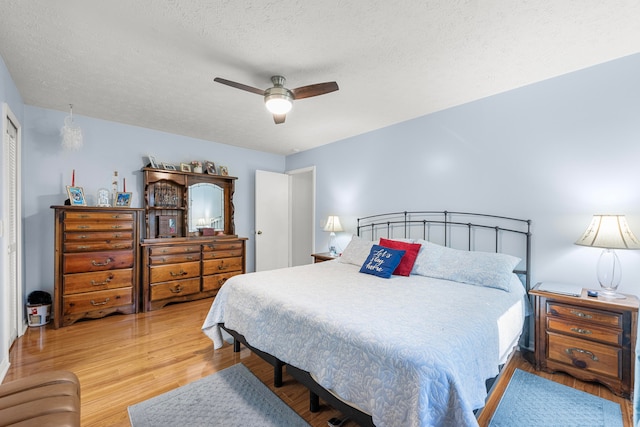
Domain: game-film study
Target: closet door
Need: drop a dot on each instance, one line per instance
(10, 228)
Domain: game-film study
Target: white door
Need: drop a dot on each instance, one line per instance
(272, 220)
(10, 228)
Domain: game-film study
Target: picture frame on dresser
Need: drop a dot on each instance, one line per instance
(153, 162)
(123, 199)
(211, 168)
(76, 196)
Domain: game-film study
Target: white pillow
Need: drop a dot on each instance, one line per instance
(487, 269)
(357, 251)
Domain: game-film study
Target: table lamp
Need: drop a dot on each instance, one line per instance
(609, 232)
(333, 225)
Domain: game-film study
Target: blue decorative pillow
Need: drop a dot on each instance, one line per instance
(382, 261)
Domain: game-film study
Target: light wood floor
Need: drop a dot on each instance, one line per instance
(125, 359)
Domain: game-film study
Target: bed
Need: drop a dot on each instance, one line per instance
(407, 350)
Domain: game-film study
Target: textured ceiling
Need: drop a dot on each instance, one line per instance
(151, 63)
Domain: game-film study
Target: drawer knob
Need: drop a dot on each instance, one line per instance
(180, 273)
(82, 247)
(116, 226)
(106, 282)
(176, 290)
(221, 266)
(100, 303)
(83, 226)
(221, 281)
(581, 314)
(581, 331)
(570, 351)
(101, 264)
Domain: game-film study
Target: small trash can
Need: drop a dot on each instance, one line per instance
(38, 308)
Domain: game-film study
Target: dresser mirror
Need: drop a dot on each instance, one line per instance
(206, 207)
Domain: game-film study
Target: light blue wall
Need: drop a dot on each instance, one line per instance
(555, 152)
(110, 147)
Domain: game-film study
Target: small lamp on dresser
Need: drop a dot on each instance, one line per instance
(333, 225)
(609, 232)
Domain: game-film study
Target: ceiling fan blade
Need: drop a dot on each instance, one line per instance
(314, 90)
(239, 86)
(279, 118)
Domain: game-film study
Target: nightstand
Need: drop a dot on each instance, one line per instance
(592, 339)
(323, 256)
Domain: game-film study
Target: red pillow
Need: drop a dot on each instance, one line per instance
(409, 258)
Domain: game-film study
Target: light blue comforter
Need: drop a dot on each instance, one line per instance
(411, 351)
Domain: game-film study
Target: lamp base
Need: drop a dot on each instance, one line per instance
(611, 295)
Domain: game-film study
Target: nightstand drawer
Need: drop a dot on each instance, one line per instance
(587, 331)
(605, 318)
(586, 355)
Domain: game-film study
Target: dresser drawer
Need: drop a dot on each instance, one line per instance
(93, 224)
(169, 250)
(96, 261)
(587, 355)
(99, 300)
(174, 259)
(215, 281)
(586, 331)
(222, 250)
(165, 273)
(175, 288)
(118, 216)
(98, 236)
(223, 253)
(223, 265)
(604, 318)
(96, 246)
(101, 280)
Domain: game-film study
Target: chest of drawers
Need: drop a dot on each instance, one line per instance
(96, 262)
(592, 339)
(186, 269)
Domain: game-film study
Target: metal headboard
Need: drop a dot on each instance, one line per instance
(452, 229)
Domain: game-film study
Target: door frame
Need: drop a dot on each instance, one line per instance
(292, 245)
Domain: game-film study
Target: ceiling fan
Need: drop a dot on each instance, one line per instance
(278, 99)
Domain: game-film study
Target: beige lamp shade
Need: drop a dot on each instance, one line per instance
(610, 232)
(333, 224)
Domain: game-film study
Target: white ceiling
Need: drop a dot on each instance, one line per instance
(151, 63)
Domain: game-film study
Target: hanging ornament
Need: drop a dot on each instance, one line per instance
(71, 133)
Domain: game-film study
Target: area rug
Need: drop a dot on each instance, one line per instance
(231, 397)
(533, 401)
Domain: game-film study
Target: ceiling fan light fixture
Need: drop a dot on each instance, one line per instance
(278, 100)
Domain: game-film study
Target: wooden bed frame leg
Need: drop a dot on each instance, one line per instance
(236, 346)
(314, 402)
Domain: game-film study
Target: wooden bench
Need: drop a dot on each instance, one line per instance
(47, 399)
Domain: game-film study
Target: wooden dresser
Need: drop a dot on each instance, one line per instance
(96, 262)
(590, 338)
(188, 268)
